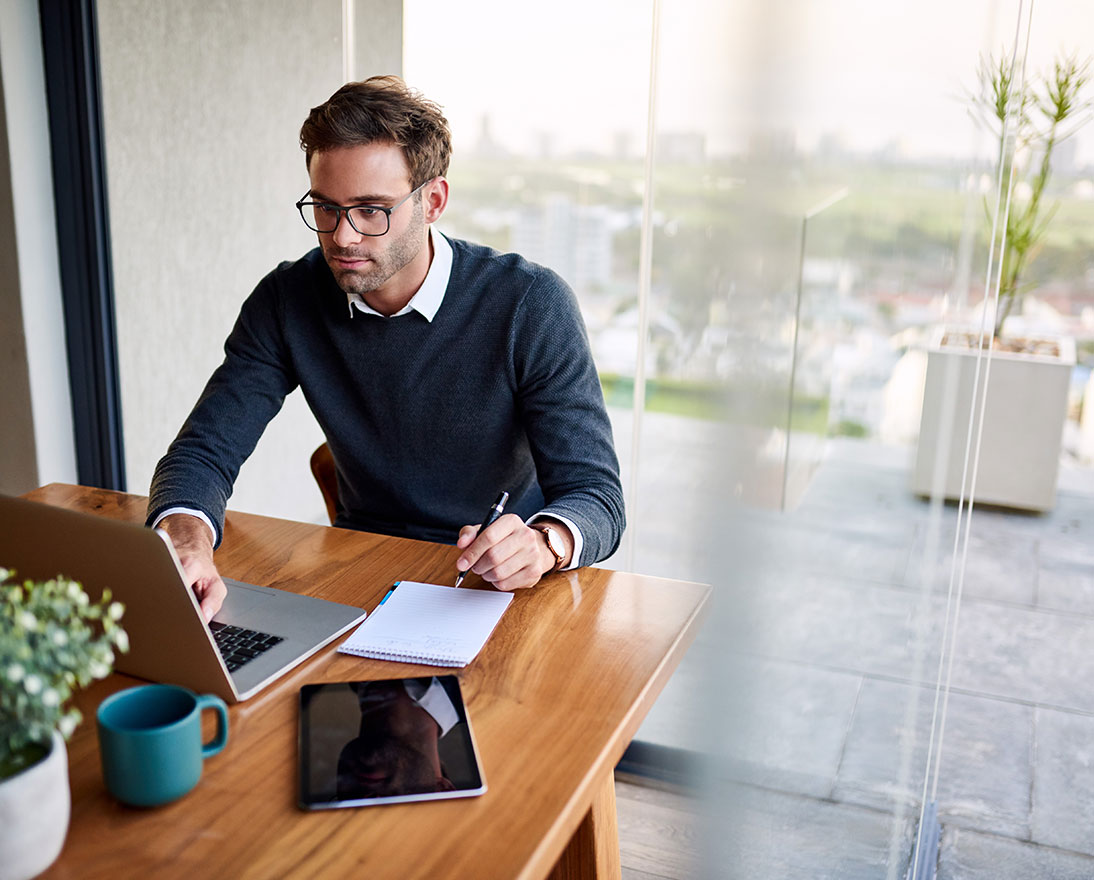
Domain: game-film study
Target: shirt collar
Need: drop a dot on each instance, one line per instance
(428, 299)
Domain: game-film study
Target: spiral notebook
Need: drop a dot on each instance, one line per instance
(428, 623)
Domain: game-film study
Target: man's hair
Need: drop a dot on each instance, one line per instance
(382, 109)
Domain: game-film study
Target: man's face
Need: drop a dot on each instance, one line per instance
(372, 174)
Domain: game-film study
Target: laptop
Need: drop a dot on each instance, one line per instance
(265, 632)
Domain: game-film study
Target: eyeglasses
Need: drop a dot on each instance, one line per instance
(365, 219)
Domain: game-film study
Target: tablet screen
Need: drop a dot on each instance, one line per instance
(383, 742)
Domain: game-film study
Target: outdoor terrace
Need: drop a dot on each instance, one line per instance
(817, 669)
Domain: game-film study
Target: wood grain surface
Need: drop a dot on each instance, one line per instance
(553, 699)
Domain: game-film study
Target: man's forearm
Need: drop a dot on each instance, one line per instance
(188, 533)
(186, 511)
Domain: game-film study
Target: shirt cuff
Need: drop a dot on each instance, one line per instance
(436, 702)
(575, 533)
(191, 512)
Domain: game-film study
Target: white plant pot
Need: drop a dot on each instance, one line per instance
(34, 810)
(1024, 416)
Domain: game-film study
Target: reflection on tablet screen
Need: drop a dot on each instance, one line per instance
(388, 741)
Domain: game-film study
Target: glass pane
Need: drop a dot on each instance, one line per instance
(816, 210)
(543, 164)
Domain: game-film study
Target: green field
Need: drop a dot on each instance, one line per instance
(718, 402)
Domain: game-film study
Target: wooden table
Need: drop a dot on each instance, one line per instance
(554, 698)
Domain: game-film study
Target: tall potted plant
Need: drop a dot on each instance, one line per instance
(1029, 123)
(1018, 457)
(53, 640)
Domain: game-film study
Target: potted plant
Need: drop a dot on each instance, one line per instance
(53, 640)
(1028, 124)
(1030, 375)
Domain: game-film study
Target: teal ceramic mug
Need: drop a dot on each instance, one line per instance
(151, 745)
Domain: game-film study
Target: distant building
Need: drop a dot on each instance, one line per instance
(623, 145)
(831, 146)
(574, 240)
(688, 147)
(544, 145)
(893, 152)
(486, 146)
(614, 343)
(772, 144)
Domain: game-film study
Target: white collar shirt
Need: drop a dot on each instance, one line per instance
(429, 296)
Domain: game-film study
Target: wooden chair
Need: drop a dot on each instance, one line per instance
(322, 468)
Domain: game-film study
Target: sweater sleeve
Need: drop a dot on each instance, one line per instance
(244, 393)
(562, 405)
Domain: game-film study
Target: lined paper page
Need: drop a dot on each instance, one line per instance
(428, 623)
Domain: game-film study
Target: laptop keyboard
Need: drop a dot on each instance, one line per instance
(238, 646)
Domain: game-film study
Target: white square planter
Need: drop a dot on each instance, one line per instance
(1024, 418)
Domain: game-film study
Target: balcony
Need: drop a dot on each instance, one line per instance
(811, 692)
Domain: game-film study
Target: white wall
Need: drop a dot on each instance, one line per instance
(36, 439)
(203, 102)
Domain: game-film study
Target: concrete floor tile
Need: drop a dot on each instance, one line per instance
(877, 552)
(765, 835)
(1063, 788)
(785, 726)
(848, 625)
(969, 855)
(999, 566)
(1066, 586)
(678, 719)
(1025, 654)
(860, 496)
(1072, 543)
(1073, 500)
(1001, 521)
(985, 775)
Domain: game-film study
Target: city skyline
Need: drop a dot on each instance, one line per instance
(866, 74)
(691, 146)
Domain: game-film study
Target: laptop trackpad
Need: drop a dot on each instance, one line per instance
(242, 599)
(301, 620)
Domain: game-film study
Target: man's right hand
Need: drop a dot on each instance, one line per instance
(194, 546)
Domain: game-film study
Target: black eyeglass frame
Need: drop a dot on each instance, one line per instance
(343, 211)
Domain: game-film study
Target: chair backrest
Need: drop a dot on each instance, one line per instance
(322, 468)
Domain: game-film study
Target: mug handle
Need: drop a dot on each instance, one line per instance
(217, 744)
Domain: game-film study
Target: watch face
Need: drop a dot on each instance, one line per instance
(552, 542)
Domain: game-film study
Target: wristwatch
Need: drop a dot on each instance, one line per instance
(554, 543)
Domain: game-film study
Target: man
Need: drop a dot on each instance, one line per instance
(440, 371)
(396, 750)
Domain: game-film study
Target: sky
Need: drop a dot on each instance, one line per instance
(870, 73)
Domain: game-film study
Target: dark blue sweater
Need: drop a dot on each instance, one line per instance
(427, 421)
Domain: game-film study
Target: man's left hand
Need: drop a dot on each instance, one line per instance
(509, 554)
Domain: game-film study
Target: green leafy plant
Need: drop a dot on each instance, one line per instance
(1029, 123)
(53, 640)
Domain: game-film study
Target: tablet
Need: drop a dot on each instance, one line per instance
(385, 742)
